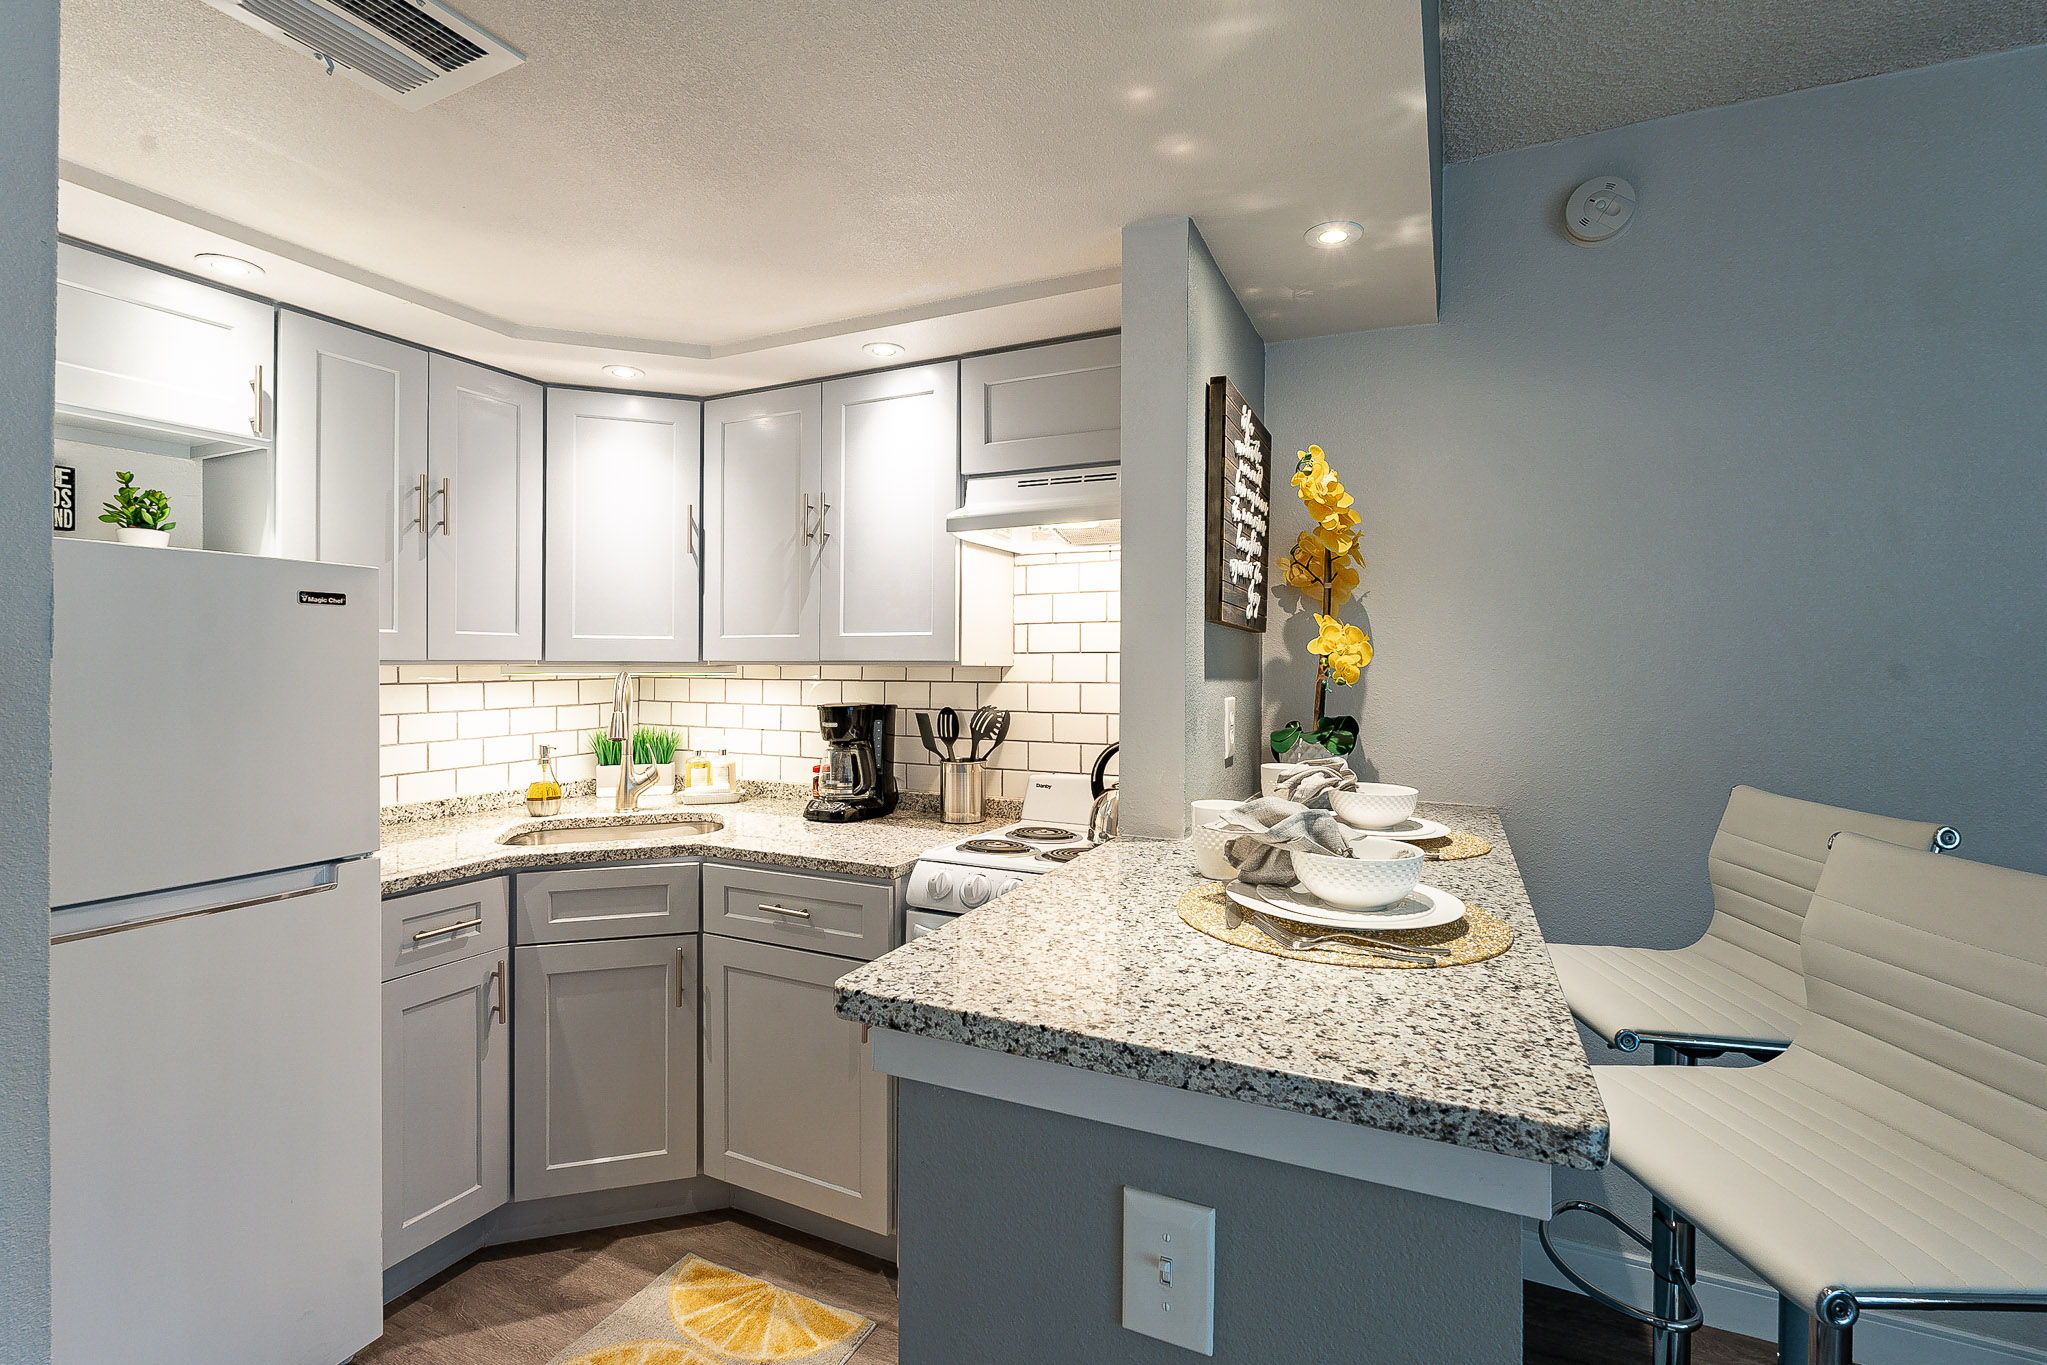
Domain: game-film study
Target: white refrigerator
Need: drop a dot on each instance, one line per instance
(214, 1051)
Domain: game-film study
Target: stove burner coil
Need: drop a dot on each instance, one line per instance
(1040, 833)
(994, 846)
(1062, 855)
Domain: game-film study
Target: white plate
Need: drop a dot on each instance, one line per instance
(1426, 908)
(1411, 830)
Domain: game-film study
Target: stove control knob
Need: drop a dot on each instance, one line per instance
(974, 891)
(1009, 884)
(939, 884)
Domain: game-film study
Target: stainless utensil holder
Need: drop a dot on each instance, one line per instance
(960, 792)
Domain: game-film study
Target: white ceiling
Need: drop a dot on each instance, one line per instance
(734, 195)
(1516, 74)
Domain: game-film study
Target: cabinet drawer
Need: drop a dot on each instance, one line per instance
(427, 928)
(822, 914)
(578, 905)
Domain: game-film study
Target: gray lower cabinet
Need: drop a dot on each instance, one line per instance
(791, 1108)
(582, 903)
(605, 1046)
(447, 1097)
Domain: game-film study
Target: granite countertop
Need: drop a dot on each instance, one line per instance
(1091, 967)
(423, 853)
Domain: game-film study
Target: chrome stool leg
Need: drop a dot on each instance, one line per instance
(1673, 1257)
(1832, 1344)
(1794, 1332)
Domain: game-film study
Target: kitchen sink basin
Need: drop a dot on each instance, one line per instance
(654, 831)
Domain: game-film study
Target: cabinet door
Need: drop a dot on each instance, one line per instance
(484, 473)
(761, 497)
(791, 1108)
(623, 474)
(351, 464)
(1046, 407)
(608, 902)
(605, 1082)
(137, 343)
(888, 581)
(447, 1101)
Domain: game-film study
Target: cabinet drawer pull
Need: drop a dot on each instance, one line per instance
(447, 507)
(793, 911)
(455, 928)
(500, 997)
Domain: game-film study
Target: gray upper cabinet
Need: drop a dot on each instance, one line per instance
(888, 578)
(485, 472)
(352, 464)
(1047, 407)
(607, 902)
(605, 1076)
(623, 479)
(138, 348)
(763, 495)
(447, 1101)
(792, 1109)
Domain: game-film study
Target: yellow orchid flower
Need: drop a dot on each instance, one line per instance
(1345, 649)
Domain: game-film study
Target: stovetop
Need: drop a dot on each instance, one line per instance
(1030, 847)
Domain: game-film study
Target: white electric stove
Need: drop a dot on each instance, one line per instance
(968, 873)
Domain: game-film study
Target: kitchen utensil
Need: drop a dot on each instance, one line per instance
(948, 730)
(1428, 907)
(1376, 947)
(990, 727)
(961, 789)
(1373, 805)
(1378, 872)
(924, 733)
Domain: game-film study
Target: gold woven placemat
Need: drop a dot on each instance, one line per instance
(1479, 935)
(1456, 844)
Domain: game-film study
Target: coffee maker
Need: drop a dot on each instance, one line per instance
(859, 781)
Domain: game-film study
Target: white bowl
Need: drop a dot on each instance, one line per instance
(1379, 873)
(1210, 845)
(1373, 805)
(1268, 777)
(1201, 813)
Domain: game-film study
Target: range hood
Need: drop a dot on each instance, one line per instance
(1050, 512)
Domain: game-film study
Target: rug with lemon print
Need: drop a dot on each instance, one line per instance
(698, 1313)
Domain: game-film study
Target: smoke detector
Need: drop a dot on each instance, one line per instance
(412, 52)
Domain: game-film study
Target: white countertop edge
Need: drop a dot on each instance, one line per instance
(1443, 1170)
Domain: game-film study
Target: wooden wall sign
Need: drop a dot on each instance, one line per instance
(1239, 504)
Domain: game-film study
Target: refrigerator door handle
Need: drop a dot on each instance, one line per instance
(104, 930)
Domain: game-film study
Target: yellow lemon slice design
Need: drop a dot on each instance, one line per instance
(749, 1320)
(643, 1353)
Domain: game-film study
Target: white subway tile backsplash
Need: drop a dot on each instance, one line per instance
(464, 729)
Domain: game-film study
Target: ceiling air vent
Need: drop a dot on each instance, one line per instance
(413, 52)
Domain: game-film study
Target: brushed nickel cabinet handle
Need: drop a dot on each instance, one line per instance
(498, 993)
(690, 542)
(456, 928)
(681, 978)
(824, 510)
(794, 912)
(447, 496)
(256, 396)
(809, 532)
(420, 491)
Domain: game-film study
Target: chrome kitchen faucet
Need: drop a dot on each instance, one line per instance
(624, 701)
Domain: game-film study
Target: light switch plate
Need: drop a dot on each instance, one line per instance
(1229, 731)
(1169, 1269)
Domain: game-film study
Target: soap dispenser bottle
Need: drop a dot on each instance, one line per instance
(544, 796)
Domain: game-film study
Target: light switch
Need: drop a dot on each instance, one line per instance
(1169, 1269)
(1229, 731)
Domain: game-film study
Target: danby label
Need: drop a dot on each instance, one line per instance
(324, 599)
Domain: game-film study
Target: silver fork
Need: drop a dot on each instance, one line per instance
(1377, 947)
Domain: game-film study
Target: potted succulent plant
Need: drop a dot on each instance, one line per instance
(138, 516)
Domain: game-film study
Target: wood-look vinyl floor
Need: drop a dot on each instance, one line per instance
(518, 1305)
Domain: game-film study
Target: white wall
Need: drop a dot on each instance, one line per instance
(1755, 493)
(1182, 325)
(28, 272)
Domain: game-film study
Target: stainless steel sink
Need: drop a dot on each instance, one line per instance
(592, 832)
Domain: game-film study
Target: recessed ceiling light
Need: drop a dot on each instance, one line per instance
(882, 350)
(625, 372)
(1334, 234)
(232, 266)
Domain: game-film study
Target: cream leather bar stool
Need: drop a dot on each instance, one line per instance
(1738, 988)
(1895, 1155)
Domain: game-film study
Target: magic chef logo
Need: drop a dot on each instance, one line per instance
(324, 599)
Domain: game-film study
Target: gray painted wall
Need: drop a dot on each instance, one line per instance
(1182, 325)
(28, 272)
(1013, 1257)
(1755, 493)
